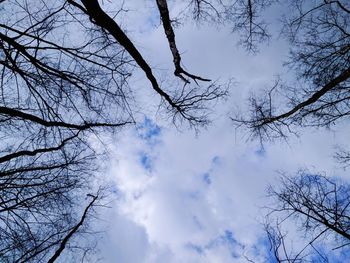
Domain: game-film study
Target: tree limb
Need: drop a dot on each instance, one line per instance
(26, 116)
(107, 23)
(169, 32)
(72, 232)
(315, 97)
(11, 156)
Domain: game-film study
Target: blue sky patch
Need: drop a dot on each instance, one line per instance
(196, 248)
(232, 243)
(263, 245)
(145, 161)
(149, 131)
(206, 178)
(216, 160)
(226, 239)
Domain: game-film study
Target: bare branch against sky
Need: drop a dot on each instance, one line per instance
(87, 89)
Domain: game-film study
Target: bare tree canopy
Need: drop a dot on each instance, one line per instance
(246, 17)
(320, 207)
(318, 96)
(65, 79)
(319, 35)
(64, 68)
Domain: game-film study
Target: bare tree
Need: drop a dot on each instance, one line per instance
(319, 206)
(65, 67)
(54, 93)
(319, 35)
(64, 71)
(244, 17)
(188, 100)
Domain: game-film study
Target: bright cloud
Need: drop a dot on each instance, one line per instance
(187, 198)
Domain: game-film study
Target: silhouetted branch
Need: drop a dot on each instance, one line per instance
(319, 205)
(169, 32)
(65, 240)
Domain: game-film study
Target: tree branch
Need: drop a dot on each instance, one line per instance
(72, 232)
(26, 116)
(107, 23)
(169, 32)
(11, 156)
(315, 97)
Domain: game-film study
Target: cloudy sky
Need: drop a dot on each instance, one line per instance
(187, 197)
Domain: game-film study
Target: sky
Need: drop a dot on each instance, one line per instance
(187, 197)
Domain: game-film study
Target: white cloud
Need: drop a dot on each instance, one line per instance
(197, 199)
(185, 217)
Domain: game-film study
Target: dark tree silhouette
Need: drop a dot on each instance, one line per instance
(319, 37)
(244, 17)
(320, 46)
(65, 240)
(64, 71)
(321, 208)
